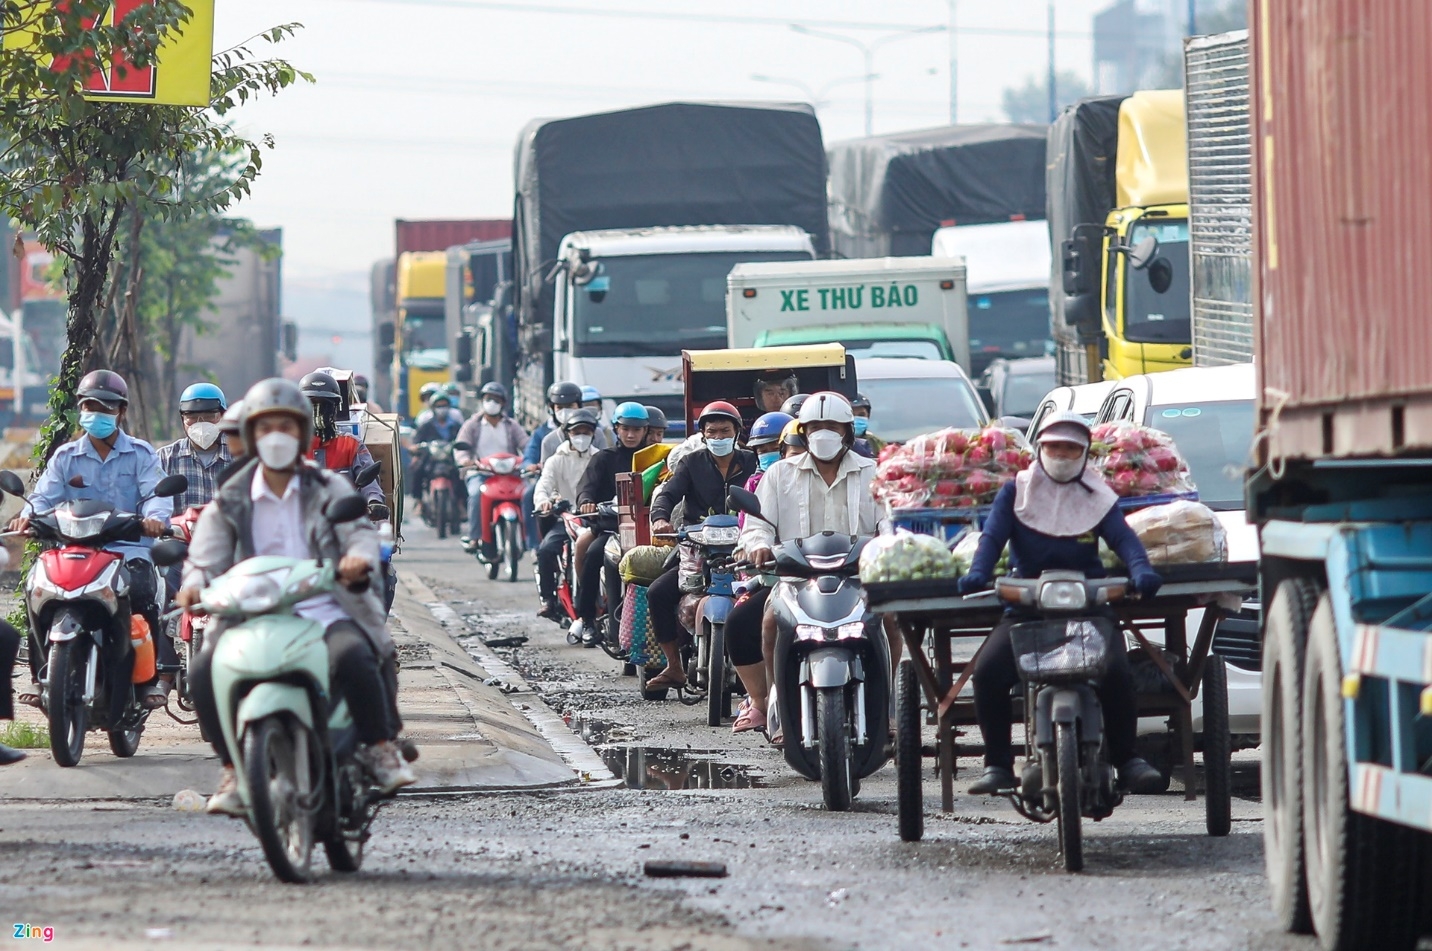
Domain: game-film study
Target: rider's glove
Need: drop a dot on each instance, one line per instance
(1147, 583)
(971, 583)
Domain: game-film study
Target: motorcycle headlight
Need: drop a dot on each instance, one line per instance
(1063, 596)
(256, 595)
(74, 526)
(851, 629)
(503, 466)
(725, 535)
(810, 632)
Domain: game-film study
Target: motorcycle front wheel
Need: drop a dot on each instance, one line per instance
(511, 547)
(276, 793)
(1071, 835)
(718, 699)
(439, 517)
(69, 717)
(834, 733)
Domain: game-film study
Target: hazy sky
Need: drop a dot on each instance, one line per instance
(418, 102)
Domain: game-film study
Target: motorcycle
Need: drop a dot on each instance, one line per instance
(77, 601)
(714, 592)
(185, 628)
(1061, 657)
(441, 509)
(503, 536)
(292, 738)
(609, 598)
(832, 661)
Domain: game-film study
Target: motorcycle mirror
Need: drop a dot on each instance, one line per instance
(743, 501)
(170, 551)
(462, 446)
(170, 486)
(11, 484)
(78, 482)
(367, 474)
(348, 508)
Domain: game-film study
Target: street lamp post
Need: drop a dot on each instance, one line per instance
(867, 50)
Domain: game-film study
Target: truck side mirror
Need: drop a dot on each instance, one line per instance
(1073, 267)
(462, 364)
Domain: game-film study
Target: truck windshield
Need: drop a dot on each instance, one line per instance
(1214, 438)
(1151, 317)
(659, 303)
(901, 409)
(424, 329)
(1009, 324)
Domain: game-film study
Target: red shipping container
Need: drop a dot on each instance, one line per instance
(439, 235)
(1342, 168)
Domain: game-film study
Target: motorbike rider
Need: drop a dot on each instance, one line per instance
(655, 425)
(331, 449)
(274, 506)
(200, 455)
(489, 432)
(765, 441)
(561, 480)
(599, 484)
(229, 431)
(700, 482)
(441, 425)
(1052, 517)
(866, 443)
(773, 388)
(107, 463)
(827, 488)
(792, 442)
(562, 397)
(792, 406)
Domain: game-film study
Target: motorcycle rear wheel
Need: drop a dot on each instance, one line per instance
(69, 718)
(124, 743)
(284, 829)
(836, 782)
(1071, 835)
(439, 517)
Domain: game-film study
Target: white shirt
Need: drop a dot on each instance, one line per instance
(562, 475)
(795, 497)
(491, 439)
(278, 530)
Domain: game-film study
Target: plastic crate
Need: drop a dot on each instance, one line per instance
(1136, 502)
(947, 524)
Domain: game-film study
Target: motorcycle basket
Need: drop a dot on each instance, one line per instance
(1062, 651)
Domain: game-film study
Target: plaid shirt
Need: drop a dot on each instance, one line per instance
(180, 458)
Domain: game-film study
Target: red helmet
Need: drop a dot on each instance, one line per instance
(719, 410)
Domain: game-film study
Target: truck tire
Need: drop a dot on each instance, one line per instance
(1285, 636)
(1364, 875)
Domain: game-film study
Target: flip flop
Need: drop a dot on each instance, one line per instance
(29, 696)
(158, 695)
(664, 680)
(749, 719)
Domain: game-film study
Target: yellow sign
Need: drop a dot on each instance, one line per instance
(180, 75)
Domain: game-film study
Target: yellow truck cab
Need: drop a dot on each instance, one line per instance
(420, 350)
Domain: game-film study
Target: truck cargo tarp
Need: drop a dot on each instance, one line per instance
(673, 164)
(1083, 144)
(889, 193)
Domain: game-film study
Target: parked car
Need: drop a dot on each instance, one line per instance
(910, 397)
(1012, 389)
(1084, 399)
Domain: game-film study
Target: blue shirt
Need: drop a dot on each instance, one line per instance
(129, 473)
(533, 453)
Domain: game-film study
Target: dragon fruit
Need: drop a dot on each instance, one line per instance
(955, 468)
(1137, 461)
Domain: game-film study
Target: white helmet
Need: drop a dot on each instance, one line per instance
(1068, 427)
(827, 407)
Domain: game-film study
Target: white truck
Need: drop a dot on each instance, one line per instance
(875, 307)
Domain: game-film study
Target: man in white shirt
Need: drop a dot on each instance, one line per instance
(561, 480)
(488, 432)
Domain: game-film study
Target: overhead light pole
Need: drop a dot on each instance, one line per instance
(867, 50)
(955, 66)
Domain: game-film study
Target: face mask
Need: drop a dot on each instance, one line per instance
(861, 425)
(564, 414)
(824, 444)
(98, 425)
(278, 450)
(491, 408)
(768, 459)
(721, 447)
(203, 434)
(581, 443)
(1062, 470)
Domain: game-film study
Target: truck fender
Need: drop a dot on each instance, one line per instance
(272, 697)
(829, 668)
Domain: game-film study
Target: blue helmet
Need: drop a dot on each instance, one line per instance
(590, 394)
(202, 398)
(630, 414)
(767, 429)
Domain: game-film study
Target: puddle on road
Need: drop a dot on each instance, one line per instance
(642, 767)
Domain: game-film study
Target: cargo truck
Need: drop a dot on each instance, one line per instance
(1118, 226)
(481, 329)
(878, 307)
(1220, 198)
(1342, 482)
(420, 352)
(626, 226)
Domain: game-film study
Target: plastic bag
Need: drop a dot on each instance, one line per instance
(644, 564)
(636, 633)
(692, 572)
(951, 468)
(1137, 460)
(1180, 533)
(964, 554)
(906, 556)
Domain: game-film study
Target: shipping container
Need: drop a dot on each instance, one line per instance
(1343, 181)
(441, 234)
(1220, 198)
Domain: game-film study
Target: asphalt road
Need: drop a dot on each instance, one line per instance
(562, 867)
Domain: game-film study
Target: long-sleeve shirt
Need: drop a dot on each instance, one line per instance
(202, 469)
(562, 475)
(129, 473)
(487, 438)
(533, 453)
(599, 484)
(797, 503)
(698, 482)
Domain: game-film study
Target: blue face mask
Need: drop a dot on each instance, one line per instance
(861, 425)
(98, 425)
(721, 447)
(768, 459)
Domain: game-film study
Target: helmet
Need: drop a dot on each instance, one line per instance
(563, 394)
(273, 396)
(791, 435)
(767, 378)
(861, 401)
(655, 418)
(629, 414)
(426, 393)
(451, 389)
(439, 395)
(319, 386)
(590, 394)
(767, 429)
(719, 410)
(826, 407)
(1067, 426)
(230, 423)
(202, 398)
(105, 386)
(792, 406)
(494, 390)
(580, 417)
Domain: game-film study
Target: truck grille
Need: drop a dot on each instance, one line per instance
(1237, 639)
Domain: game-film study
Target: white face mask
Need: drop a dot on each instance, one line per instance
(203, 434)
(581, 443)
(564, 414)
(1062, 470)
(824, 444)
(278, 451)
(491, 408)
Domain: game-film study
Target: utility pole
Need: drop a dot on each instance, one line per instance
(955, 67)
(1053, 89)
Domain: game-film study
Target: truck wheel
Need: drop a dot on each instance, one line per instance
(1364, 874)
(1285, 638)
(1217, 749)
(908, 761)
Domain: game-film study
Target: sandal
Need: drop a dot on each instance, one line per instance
(29, 696)
(749, 719)
(158, 695)
(666, 680)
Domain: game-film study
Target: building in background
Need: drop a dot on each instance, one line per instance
(1135, 41)
(245, 337)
